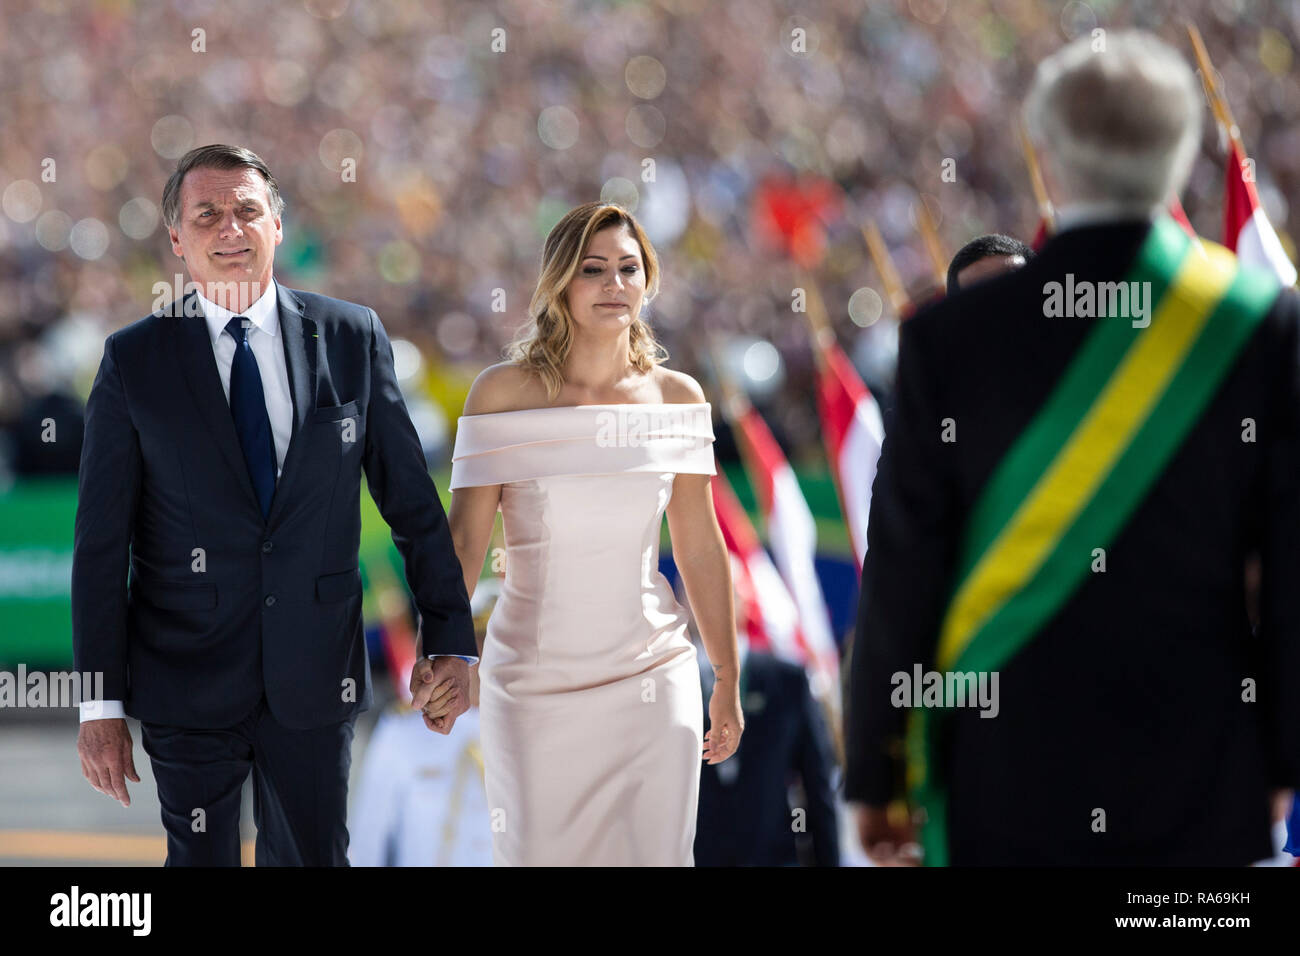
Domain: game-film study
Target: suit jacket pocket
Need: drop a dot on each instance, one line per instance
(338, 587)
(178, 597)
(335, 413)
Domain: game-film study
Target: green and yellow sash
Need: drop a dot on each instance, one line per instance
(1072, 479)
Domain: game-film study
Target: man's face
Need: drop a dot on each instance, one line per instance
(226, 231)
(987, 268)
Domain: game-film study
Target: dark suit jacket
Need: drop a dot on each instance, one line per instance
(1129, 700)
(747, 821)
(277, 609)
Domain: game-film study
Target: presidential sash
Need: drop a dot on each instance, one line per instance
(1075, 475)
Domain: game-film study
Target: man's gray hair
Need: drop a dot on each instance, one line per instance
(1122, 121)
(215, 156)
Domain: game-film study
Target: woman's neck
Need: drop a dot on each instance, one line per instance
(598, 365)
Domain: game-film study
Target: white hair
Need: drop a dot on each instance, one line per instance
(1119, 115)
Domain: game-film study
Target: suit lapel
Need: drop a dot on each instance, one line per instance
(194, 356)
(302, 358)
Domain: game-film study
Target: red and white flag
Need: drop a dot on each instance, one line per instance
(1179, 215)
(1246, 230)
(792, 537)
(853, 432)
(399, 653)
(771, 618)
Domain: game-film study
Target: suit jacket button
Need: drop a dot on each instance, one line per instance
(266, 547)
(270, 600)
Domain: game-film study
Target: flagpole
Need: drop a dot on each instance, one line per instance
(734, 401)
(1046, 212)
(1218, 102)
(933, 244)
(816, 318)
(823, 338)
(889, 277)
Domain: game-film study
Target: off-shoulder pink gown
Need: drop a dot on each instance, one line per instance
(590, 702)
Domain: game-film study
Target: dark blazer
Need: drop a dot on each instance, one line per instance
(276, 609)
(1130, 700)
(747, 821)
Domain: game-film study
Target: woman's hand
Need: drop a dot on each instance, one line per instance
(726, 722)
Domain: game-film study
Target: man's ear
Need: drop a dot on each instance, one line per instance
(175, 238)
(279, 231)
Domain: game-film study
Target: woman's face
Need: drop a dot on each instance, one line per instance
(605, 293)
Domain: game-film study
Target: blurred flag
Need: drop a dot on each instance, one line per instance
(398, 641)
(1041, 235)
(853, 431)
(771, 618)
(792, 536)
(1246, 230)
(1179, 215)
(387, 601)
(792, 214)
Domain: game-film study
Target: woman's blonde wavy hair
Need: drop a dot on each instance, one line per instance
(543, 342)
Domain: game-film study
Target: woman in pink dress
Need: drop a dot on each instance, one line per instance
(590, 703)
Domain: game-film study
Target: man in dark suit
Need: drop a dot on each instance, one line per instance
(1140, 721)
(745, 816)
(224, 443)
(985, 257)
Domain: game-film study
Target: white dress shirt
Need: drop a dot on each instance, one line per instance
(1076, 214)
(264, 339)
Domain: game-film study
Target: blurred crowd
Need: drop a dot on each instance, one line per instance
(425, 149)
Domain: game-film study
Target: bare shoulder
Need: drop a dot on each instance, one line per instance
(678, 388)
(504, 387)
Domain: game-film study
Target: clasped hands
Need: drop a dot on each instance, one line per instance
(440, 691)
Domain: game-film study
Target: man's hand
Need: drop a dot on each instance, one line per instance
(440, 689)
(1282, 804)
(888, 838)
(106, 761)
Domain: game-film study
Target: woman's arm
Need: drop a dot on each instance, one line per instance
(699, 549)
(472, 516)
(473, 510)
(701, 556)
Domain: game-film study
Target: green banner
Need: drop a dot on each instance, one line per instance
(36, 522)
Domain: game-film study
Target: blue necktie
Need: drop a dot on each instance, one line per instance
(248, 406)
